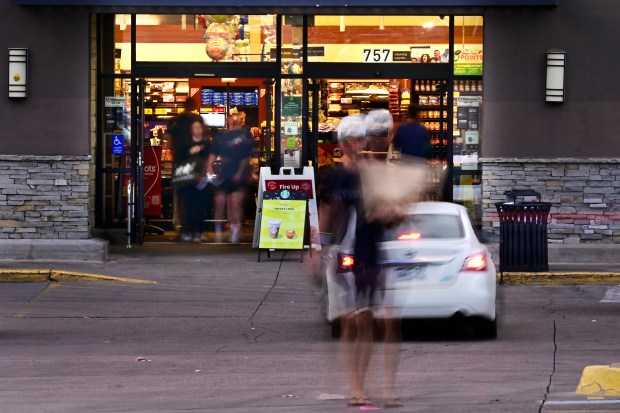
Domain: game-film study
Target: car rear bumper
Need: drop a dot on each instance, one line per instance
(472, 295)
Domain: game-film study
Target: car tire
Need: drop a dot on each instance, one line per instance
(486, 329)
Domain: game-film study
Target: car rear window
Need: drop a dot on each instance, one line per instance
(433, 226)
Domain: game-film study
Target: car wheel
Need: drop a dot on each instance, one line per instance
(486, 329)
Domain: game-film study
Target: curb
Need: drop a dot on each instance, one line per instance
(559, 278)
(29, 276)
(600, 380)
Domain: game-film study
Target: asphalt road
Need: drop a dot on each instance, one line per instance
(220, 332)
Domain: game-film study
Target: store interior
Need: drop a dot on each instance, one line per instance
(215, 97)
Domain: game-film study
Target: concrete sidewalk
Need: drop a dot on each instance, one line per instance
(154, 261)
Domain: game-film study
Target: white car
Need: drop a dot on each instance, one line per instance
(433, 264)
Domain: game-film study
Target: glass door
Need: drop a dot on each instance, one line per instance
(466, 137)
(120, 156)
(433, 113)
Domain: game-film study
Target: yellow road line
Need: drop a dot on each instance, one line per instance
(36, 300)
(37, 275)
(560, 277)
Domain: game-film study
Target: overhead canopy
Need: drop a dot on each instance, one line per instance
(289, 3)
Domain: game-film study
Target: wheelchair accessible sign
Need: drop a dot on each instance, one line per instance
(118, 144)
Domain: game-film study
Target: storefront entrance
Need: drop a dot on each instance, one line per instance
(294, 80)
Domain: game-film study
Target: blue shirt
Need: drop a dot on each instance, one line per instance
(413, 140)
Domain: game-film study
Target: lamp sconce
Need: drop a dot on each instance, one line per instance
(556, 76)
(18, 73)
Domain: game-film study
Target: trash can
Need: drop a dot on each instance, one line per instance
(523, 233)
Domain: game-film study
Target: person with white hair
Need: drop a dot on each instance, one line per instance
(379, 124)
(340, 193)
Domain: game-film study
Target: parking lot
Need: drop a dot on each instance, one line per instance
(220, 332)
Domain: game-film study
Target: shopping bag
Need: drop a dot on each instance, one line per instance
(388, 187)
(185, 174)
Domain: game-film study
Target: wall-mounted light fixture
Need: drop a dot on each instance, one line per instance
(342, 25)
(18, 73)
(556, 78)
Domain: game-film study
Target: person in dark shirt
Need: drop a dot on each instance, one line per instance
(411, 137)
(234, 147)
(190, 146)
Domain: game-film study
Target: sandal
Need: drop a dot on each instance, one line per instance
(392, 403)
(358, 401)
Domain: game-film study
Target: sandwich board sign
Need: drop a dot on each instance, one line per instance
(287, 185)
(283, 221)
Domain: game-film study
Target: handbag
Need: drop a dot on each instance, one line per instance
(185, 174)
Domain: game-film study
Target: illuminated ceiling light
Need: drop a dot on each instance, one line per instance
(342, 26)
(428, 25)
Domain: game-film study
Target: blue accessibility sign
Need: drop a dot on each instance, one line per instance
(118, 144)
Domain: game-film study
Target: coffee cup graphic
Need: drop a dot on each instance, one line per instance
(274, 228)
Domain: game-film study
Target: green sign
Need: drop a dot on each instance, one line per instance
(282, 224)
(468, 62)
(291, 105)
(468, 69)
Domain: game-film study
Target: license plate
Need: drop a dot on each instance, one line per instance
(410, 273)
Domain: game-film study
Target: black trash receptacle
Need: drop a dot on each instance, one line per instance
(523, 233)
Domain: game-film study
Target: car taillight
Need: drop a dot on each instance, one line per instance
(476, 262)
(409, 236)
(345, 263)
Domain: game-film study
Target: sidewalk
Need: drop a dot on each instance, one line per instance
(160, 261)
(157, 261)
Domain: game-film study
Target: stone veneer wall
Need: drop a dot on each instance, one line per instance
(585, 194)
(44, 197)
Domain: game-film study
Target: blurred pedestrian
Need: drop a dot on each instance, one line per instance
(234, 147)
(378, 127)
(190, 150)
(342, 193)
(411, 137)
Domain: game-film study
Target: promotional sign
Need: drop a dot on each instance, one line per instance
(286, 180)
(152, 181)
(291, 105)
(468, 62)
(282, 224)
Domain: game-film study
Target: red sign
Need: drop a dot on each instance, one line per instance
(152, 181)
(292, 185)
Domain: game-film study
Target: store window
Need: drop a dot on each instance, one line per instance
(292, 45)
(204, 38)
(122, 43)
(468, 51)
(467, 114)
(379, 39)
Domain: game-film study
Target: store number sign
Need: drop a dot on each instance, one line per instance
(376, 55)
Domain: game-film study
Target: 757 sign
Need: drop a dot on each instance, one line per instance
(376, 55)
